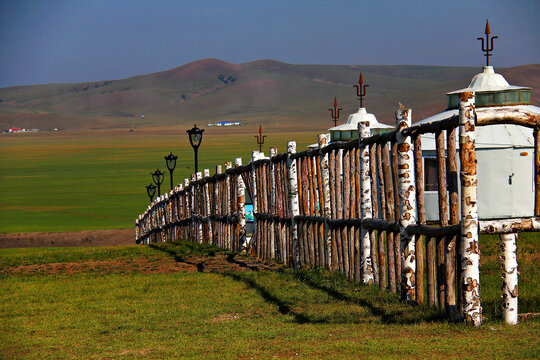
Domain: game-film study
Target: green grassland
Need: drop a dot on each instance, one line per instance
(88, 180)
(306, 314)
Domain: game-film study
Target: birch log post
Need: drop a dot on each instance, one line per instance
(407, 204)
(293, 200)
(208, 202)
(346, 190)
(217, 202)
(228, 207)
(509, 278)
(389, 191)
(470, 255)
(273, 202)
(199, 200)
(325, 173)
(255, 201)
(454, 220)
(419, 247)
(188, 213)
(382, 196)
(443, 218)
(241, 200)
(365, 201)
(536, 133)
(375, 212)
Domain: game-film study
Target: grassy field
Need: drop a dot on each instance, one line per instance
(100, 313)
(88, 180)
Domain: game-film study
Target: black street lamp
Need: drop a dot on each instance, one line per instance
(195, 138)
(151, 191)
(171, 164)
(157, 176)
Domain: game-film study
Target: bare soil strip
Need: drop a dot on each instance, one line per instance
(70, 239)
(215, 264)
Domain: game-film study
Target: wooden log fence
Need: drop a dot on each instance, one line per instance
(358, 207)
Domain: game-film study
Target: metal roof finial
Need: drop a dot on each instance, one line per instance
(486, 46)
(260, 138)
(335, 112)
(361, 90)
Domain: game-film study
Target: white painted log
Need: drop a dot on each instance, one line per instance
(366, 211)
(207, 199)
(254, 201)
(470, 255)
(506, 114)
(293, 199)
(241, 199)
(228, 165)
(324, 139)
(509, 278)
(217, 201)
(273, 198)
(508, 226)
(407, 204)
(199, 203)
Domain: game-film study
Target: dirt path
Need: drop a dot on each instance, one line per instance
(214, 264)
(75, 238)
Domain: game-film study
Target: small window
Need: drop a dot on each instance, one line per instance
(430, 174)
(431, 177)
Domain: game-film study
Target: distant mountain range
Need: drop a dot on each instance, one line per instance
(260, 92)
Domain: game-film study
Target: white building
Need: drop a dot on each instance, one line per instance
(349, 130)
(504, 153)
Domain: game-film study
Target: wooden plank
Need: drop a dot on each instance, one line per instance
(536, 171)
(375, 212)
(451, 260)
(346, 211)
(396, 209)
(421, 219)
(389, 191)
(443, 218)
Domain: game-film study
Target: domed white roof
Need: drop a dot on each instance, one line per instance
(488, 80)
(361, 116)
(493, 136)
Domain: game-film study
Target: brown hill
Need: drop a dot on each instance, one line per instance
(264, 91)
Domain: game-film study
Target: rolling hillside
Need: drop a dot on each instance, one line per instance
(264, 91)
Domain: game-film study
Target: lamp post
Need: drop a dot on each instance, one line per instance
(151, 191)
(195, 138)
(171, 164)
(157, 176)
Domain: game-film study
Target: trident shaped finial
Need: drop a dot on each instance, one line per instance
(361, 90)
(260, 138)
(335, 112)
(486, 46)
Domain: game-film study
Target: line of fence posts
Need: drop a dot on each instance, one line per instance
(358, 208)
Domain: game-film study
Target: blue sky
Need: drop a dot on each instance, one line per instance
(58, 41)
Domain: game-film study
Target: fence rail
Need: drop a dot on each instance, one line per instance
(358, 207)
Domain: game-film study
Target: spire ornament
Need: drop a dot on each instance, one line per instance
(260, 138)
(335, 112)
(361, 90)
(486, 45)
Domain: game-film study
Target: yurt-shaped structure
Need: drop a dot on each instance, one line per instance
(504, 153)
(349, 130)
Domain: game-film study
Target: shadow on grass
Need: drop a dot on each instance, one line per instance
(348, 302)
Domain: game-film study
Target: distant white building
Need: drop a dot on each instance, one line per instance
(349, 130)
